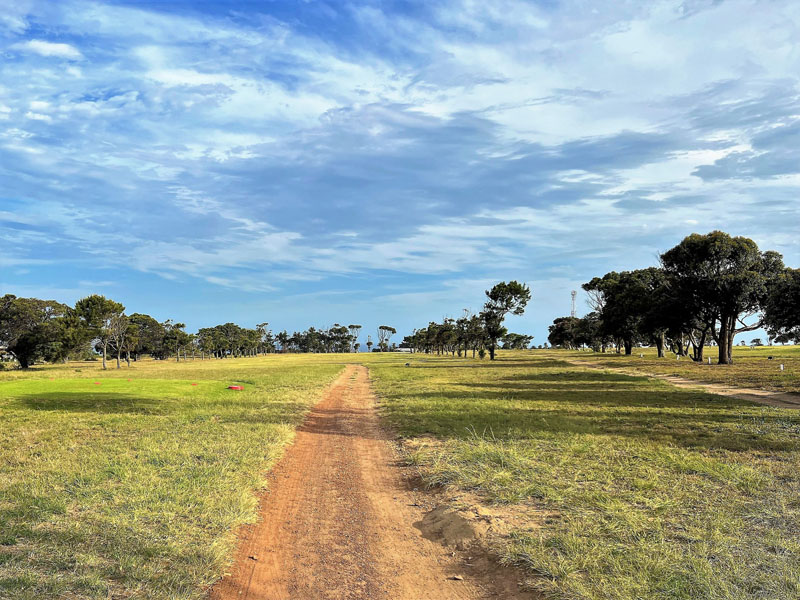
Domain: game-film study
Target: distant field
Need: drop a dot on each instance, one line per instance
(134, 487)
(750, 368)
(629, 488)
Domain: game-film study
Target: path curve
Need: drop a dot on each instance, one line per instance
(337, 521)
(776, 399)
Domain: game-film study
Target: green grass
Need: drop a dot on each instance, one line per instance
(623, 487)
(751, 366)
(134, 488)
(629, 488)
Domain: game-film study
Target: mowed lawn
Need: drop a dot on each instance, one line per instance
(629, 487)
(752, 367)
(131, 483)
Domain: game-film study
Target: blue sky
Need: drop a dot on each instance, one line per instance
(306, 163)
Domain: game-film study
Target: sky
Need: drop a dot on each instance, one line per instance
(310, 163)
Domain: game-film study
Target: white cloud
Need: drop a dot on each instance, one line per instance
(44, 48)
(38, 116)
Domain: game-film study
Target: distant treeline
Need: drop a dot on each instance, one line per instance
(707, 288)
(477, 333)
(34, 330)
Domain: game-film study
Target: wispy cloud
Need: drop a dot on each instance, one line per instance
(280, 150)
(43, 48)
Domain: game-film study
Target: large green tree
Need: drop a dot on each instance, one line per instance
(503, 299)
(29, 327)
(725, 280)
(782, 308)
(150, 336)
(100, 315)
(564, 332)
(630, 306)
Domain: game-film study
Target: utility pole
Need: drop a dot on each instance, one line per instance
(573, 294)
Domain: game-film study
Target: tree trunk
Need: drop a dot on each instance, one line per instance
(119, 358)
(491, 352)
(660, 345)
(104, 357)
(628, 347)
(724, 342)
(128, 357)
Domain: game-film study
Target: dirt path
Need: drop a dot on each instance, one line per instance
(338, 521)
(777, 399)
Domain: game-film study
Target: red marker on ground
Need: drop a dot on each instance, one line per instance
(97, 383)
(236, 387)
(194, 384)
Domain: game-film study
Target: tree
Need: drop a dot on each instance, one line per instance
(564, 332)
(630, 306)
(176, 337)
(756, 342)
(516, 341)
(369, 343)
(118, 331)
(385, 332)
(29, 327)
(150, 336)
(726, 281)
(97, 313)
(130, 341)
(503, 299)
(354, 329)
(782, 308)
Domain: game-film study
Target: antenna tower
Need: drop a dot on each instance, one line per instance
(573, 294)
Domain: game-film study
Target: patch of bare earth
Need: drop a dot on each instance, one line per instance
(342, 520)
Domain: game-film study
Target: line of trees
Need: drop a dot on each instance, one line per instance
(476, 333)
(707, 289)
(34, 330)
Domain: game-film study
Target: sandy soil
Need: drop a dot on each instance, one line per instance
(342, 520)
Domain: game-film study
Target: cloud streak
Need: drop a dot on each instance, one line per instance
(198, 155)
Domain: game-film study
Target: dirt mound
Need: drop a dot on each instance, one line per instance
(451, 528)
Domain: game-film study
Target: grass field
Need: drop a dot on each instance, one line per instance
(133, 486)
(131, 483)
(751, 366)
(629, 488)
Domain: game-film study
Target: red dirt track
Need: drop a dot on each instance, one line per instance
(338, 519)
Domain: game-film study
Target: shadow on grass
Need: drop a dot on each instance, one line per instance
(99, 402)
(680, 418)
(224, 410)
(441, 362)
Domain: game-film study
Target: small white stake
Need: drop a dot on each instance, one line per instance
(709, 360)
(781, 367)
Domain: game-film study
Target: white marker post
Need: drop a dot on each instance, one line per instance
(709, 360)
(781, 367)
